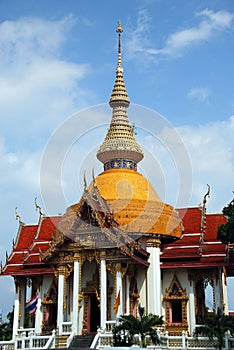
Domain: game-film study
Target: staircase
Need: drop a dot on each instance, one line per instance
(82, 341)
(61, 342)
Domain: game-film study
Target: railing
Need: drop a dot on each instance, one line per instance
(7, 345)
(25, 331)
(104, 340)
(66, 328)
(70, 338)
(28, 340)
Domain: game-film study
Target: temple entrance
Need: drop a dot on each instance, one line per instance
(50, 309)
(93, 314)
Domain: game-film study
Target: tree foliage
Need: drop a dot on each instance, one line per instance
(226, 231)
(6, 327)
(215, 326)
(144, 326)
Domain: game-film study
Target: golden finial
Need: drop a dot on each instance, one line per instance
(119, 30)
(120, 142)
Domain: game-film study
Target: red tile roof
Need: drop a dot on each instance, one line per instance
(24, 257)
(188, 251)
(193, 251)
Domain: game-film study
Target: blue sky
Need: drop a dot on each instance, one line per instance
(58, 58)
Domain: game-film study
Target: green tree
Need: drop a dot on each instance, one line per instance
(6, 327)
(215, 326)
(226, 231)
(144, 326)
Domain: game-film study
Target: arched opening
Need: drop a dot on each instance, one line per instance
(94, 314)
(209, 298)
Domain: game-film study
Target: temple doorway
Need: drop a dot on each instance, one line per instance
(94, 314)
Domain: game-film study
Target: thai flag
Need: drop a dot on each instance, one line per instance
(31, 305)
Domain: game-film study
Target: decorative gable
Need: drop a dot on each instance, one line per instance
(176, 307)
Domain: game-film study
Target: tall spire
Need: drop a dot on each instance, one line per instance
(120, 148)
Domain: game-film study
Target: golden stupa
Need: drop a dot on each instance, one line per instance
(133, 202)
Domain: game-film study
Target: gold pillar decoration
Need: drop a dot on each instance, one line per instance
(154, 241)
(64, 270)
(81, 259)
(21, 285)
(113, 268)
(37, 282)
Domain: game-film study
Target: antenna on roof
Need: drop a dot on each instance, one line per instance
(38, 206)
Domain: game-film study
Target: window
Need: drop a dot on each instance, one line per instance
(176, 311)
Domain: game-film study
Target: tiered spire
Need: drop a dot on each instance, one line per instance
(120, 148)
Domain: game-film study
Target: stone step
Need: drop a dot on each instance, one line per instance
(61, 341)
(82, 341)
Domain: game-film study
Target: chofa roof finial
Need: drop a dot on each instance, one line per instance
(17, 216)
(38, 206)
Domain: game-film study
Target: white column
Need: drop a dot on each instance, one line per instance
(75, 312)
(103, 293)
(38, 315)
(22, 299)
(154, 281)
(60, 301)
(119, 288)
(218, 292)
(192, 316)
(16, 310)
(225, 295)
(127, 295)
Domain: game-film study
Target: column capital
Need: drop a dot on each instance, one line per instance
(103, 255)
(154, 242)
(64, 270)
(76, 257)
(118, 267)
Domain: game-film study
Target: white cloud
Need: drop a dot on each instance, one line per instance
(27, 39)
(199, 94)
(211, 147)
(179, 41)
(212, 23)
(37, 88)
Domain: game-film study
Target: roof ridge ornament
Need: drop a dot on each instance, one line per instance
(203, 220)
(38, 207)
(85, 182)
(18, 217)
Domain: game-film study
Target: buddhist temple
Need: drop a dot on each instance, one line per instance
(118, 246)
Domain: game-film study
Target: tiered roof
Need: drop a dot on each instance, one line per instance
(24, 258)
(190, 251)
(197, 248)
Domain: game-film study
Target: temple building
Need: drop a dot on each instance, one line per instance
(118, 246)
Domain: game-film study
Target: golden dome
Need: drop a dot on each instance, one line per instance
(135, 204)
